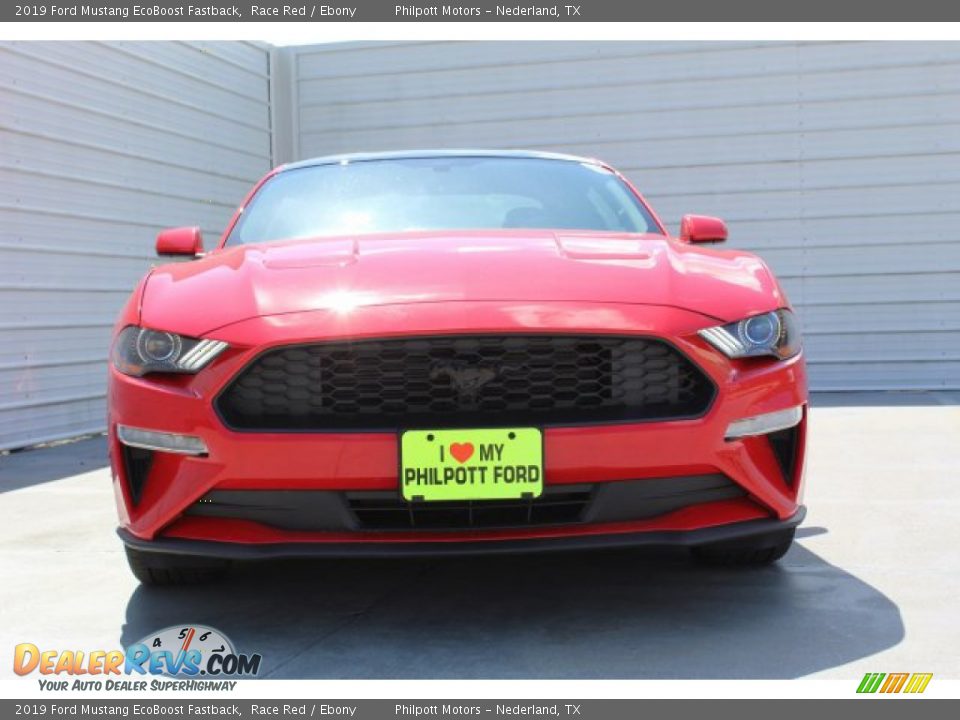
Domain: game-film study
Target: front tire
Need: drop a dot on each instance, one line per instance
(745, 552)
(152, 568)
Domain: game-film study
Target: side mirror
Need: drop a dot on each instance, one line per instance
(702, 229)
(180, 241)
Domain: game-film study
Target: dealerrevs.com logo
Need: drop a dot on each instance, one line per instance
(190, 657)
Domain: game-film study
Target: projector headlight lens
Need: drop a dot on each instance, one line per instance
(773, 334)
(158, 347)
(138, 351)
(760, 330)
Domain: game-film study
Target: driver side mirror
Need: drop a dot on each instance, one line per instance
(702, 229)
(180, 241)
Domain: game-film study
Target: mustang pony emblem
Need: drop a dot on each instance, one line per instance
(466, 378)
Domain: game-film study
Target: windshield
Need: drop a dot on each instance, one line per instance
(448, 193)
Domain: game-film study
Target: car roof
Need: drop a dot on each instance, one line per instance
(424, 154)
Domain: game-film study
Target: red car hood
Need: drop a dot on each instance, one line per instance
(238, 283)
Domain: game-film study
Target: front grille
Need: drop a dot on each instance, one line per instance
(457, 381)
(388, 511)
(339, 511)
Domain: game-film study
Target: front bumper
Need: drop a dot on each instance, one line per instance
(159, 512)
(271, 551)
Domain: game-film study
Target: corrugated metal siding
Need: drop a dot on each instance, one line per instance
(101, 146)
(837, 162)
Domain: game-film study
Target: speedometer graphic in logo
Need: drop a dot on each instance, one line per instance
(186, 649)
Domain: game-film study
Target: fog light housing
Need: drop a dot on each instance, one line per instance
(161, 441)
(766, 423)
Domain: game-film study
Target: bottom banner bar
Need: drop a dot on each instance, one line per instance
(410, 710)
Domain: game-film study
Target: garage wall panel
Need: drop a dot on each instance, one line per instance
(101, 146)
(836, 162)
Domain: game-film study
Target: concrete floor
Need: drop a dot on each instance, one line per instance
(872, 585)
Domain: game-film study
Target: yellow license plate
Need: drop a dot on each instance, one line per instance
(501, 464)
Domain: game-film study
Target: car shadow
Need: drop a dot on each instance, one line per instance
(601, 614)
(36, 466)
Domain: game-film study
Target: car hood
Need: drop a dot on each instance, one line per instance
(237, 283)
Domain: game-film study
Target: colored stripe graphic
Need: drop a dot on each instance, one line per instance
(894, 682)
(870, 682)
(918, 682)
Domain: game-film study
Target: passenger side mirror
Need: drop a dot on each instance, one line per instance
(180, 241)
(702, 229)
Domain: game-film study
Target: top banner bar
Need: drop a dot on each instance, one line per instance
(480, 11)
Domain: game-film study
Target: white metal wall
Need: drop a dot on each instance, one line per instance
(102, 145)
(837, 162)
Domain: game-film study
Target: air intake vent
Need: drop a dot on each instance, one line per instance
(389, 512)
(330, 510)
(784, 444)
(136, 466)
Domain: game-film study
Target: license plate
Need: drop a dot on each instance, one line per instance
(501, 464)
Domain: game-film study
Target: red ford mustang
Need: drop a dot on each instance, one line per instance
(435, 352)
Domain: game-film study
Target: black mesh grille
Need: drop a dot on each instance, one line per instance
(457, 381)
(333, 511)
(390, 512)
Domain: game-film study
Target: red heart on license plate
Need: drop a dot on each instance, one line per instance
(461, 451)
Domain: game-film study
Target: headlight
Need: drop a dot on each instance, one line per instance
(773, 334)
(138, 351)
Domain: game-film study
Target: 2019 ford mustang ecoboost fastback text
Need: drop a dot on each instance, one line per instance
(433, 352)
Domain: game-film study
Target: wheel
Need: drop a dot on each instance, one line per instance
(152, 568)
(755, 550)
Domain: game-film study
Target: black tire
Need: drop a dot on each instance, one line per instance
(152, 568)
(745, 552)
